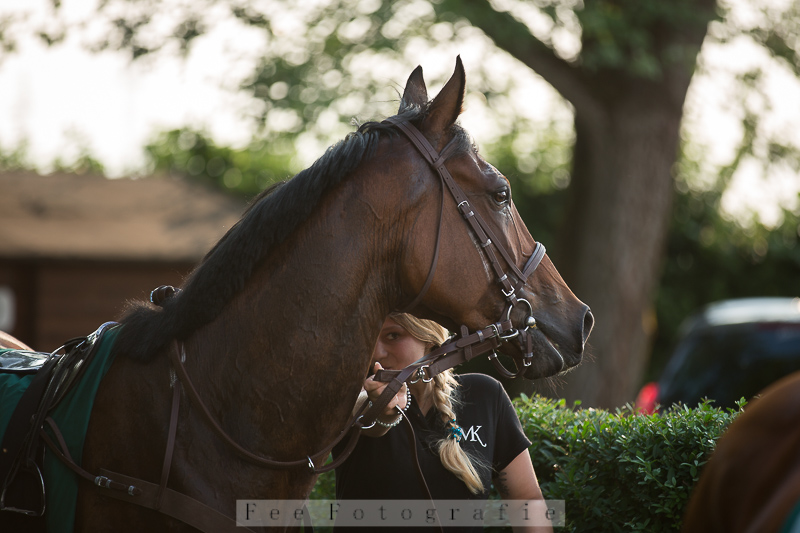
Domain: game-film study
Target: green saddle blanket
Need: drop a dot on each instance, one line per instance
(72, 417)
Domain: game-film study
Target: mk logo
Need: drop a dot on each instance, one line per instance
(472, 435)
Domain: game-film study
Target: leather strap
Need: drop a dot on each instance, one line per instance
(434, 262)
(412, 445)
(62, 453)
(171, 436)
(174, 504)
(449, 355)
(144, 493)
(310, 461)
(484, 234)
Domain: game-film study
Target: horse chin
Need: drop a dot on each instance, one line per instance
(548, 358)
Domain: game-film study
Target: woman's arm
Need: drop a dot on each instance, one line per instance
(518, 482)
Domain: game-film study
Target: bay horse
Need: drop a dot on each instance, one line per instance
(751, 483)
(278, 322)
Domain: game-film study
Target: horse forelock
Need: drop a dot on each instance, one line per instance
(269, 220)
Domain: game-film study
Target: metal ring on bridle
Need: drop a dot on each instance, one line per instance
(509, 336)
(422, 374)
(519, 300)
(530, 321)
(358, 421)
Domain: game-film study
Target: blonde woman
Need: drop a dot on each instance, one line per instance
(467, 432)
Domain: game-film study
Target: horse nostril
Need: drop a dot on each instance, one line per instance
(588, 323)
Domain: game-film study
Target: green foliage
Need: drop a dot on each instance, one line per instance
(325, 488)
(15, 159)
(244, 171)
(630, 35)
(18, 159)
(773, 25)
(710, 257)
(620, 471)
(615, 471)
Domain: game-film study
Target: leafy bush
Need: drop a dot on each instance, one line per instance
(617, 471)
(620, 471)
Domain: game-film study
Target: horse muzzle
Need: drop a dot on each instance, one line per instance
(540, 348)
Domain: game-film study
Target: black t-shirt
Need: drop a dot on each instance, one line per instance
(383, 468)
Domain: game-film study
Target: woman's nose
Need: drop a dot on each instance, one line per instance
(379, 352)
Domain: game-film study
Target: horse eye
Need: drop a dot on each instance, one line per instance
(501, 197)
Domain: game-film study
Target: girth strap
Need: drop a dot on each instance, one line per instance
(174, 504)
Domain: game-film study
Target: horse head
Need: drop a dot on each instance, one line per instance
(455, 272)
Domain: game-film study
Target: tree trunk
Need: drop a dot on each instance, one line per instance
(613, 236)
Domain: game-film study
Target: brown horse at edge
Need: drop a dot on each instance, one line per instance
(751, 483)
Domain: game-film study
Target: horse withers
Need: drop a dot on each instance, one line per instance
(275, 327)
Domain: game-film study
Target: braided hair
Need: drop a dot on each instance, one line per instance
(444, 389)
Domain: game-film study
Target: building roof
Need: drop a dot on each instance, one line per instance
(70, 216)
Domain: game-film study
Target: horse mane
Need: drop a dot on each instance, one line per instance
(269, 220)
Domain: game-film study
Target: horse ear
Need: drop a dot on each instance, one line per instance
(415, 93)
(447, 105)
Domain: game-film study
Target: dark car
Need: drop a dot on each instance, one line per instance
(732, 349)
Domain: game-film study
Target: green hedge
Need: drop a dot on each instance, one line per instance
(620, 471)
(616, 471)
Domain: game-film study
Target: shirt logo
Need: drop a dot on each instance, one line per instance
(472, 435)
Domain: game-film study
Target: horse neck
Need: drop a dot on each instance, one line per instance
(290, 351)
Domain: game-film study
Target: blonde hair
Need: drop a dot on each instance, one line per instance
(444, 389)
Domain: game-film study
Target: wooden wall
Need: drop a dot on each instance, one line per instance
(58, 300)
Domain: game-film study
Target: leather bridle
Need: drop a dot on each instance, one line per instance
(453, 352)
(501, 330)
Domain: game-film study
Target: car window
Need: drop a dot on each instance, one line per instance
(728, 362)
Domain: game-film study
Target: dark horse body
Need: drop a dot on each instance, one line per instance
(279, 320)
(751, 484)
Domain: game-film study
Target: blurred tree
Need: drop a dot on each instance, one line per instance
(712, 257)
(18, 158)
(244, 171)
(626, 75)
(624, 66)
